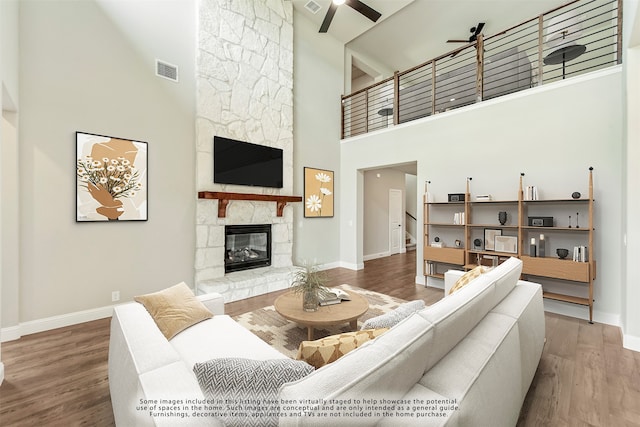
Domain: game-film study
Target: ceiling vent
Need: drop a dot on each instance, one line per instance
(312, 7)
(166, 70)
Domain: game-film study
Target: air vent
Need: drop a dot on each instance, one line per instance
(312, 7)
(166, 70)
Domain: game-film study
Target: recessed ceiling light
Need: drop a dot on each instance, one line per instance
(338, 2)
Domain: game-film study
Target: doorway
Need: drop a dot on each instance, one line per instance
(396, 225)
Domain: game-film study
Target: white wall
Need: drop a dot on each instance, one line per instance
(377, 184)
(551, 133)
(10, 248)
(317, 87)
(8, 157)
(80, 72)
(631, 290)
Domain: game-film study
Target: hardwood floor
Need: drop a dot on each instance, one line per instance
(585, 376)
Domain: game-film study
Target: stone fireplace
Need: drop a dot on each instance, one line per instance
(244, 92)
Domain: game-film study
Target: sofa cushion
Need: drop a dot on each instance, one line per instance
(524, 304)
(455, 316)
(483, 367)
(386, 367)
(390, 319)
(466, 278)
(220, 337)
(248, 388)
(329, 349)
(174, 309)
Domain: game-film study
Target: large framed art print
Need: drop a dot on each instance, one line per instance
(318, 193)
(111, 178)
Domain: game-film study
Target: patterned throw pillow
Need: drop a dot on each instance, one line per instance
(174, 309)
(326, 350)
(247, 389)
(466, 278)
(389, 320)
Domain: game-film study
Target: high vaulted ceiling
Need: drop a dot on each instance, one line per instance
(414, 31)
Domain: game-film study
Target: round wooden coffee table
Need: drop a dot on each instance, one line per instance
(289, 306)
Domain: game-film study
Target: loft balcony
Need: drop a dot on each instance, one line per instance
(574, 39)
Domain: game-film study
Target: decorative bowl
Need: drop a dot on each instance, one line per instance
(562, 253)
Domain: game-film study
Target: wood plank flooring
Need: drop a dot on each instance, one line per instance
(585, 377)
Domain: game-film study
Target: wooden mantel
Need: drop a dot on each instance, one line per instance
(224, 198)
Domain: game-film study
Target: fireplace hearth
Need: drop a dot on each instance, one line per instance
(247, 246)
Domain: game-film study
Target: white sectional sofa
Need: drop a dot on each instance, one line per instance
(472, 356)
(144, 367)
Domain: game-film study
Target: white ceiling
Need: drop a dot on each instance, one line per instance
(418, 29)
(347, 23)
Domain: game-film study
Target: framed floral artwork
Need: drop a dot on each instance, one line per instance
(111, 179)
(318, 193)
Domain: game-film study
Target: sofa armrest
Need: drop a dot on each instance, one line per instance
(450, 279)
(213, 301)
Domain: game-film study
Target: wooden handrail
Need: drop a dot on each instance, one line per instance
(224, 198)
(366, 89)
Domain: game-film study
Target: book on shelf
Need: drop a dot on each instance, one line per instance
(431, 269)
(531, 193)
(330, 296)
(581, 254)
(458, 218)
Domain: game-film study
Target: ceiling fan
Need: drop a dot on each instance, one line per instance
(357, 5)
(475, 32)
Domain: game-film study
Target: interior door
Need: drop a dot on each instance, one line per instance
(395, 221)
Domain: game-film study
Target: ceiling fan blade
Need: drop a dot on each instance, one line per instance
(328, 17)
(367, 11)
(479, 28)
(457, 41)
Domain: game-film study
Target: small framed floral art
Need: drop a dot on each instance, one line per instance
(318, 193)
(111, 179)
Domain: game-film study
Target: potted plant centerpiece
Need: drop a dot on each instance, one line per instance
(309, 281)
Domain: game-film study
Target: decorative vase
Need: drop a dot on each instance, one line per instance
(310, 300)
(502, 217)
(562, 253)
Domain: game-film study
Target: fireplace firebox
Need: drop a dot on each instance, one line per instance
(247, 246)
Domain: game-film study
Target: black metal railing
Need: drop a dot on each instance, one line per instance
(579, 37)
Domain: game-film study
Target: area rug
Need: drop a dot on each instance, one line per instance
(286, 336)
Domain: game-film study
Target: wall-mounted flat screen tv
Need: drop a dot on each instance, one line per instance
(243, 163)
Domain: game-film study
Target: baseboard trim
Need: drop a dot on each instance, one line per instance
(376, 256)
(352, 266)
(329, 266)
(420, 280)
(581, 312)
(54, 322)
(11, 333)
(631, 342)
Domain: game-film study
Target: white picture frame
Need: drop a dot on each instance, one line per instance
(507, 244)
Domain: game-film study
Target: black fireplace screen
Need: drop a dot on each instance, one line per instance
(247, 246)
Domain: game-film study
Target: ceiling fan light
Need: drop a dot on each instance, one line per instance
(338, 2)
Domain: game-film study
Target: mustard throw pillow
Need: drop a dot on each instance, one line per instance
(466, 278)
(326, 350)
(174, 309)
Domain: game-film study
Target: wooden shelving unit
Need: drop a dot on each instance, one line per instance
(549, 267)
(442, 257)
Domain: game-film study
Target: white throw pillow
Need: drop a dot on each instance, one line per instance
(236, 381)
(389, 320)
